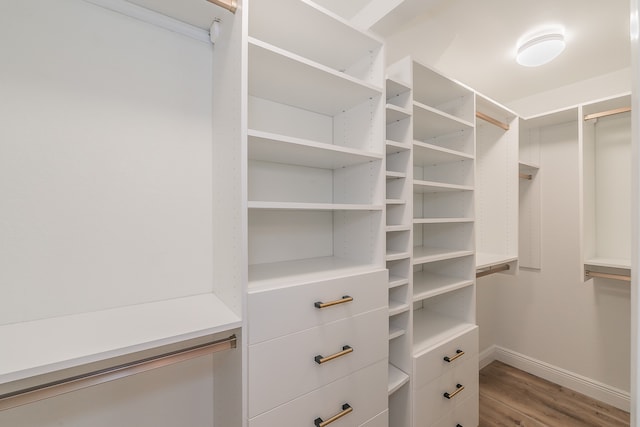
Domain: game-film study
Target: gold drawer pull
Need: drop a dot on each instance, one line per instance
(345, 350)
(459, 353)
(344, 299)
(346, 409)
(459, 388)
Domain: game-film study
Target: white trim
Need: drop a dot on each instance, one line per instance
(154, 18)
(587, 386)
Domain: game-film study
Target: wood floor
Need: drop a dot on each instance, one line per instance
(510, 397)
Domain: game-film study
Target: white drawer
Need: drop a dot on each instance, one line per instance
(431, 363)
(382, 420)
(365, 391)
(430, 404)
(277, 312)
(466, 414)
(285, 368)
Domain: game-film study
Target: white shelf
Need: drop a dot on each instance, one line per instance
(422, 255)
(395, 113)
(392, 228)
(430, 329)
(429, 154)
(397, 281)
(437, 187)
(395, 202)
(270, 147)
(432, 88)
(609, 262)
(441, 220)
(282, 274)
(395, 87)
(312, 206)
(48, 345)
(428, 285)
(430, 123)
(397, 379)
(486, 260)
(395, 332)
(289, 79)
(314, 33)
(396, 147)
(395, 175)
(528, 165)
(396, 307)
(396, 255)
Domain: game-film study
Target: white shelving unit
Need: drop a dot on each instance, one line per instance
(437, 282)
(606, 148)
(316, 204)
(497, 147)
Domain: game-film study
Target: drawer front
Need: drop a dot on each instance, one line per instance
(431, 363)
(365, 391)
(382, 420)
(285, 368)
(466, 414)
(279, 312)
(430, 404)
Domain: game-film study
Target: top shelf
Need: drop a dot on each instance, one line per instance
(283, 77)
(49, 345)
(320, 35)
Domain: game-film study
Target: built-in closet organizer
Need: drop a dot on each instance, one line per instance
(115, 245)
(606, 168)
(440, 354)
(317, 300)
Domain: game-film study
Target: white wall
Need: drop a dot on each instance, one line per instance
(551, 315)
(105, 161)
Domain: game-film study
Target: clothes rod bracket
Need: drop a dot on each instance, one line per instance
(591, 274)
(89, 379)
(492, 270)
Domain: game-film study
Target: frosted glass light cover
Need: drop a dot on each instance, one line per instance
(540, 50)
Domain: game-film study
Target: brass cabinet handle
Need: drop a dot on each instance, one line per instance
(344, 299)
(346, 409)
(459, 353)
(345, 350)
(459, 388)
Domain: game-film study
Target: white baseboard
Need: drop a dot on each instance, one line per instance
(587, 386)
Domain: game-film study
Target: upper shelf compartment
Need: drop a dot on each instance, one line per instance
(320, 36)
(289, 79)
(442, 94)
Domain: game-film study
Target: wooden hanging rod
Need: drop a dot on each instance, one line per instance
(622, 277)
(525, 176)
(491, 120)
(230, 5)
(607, 113)
(492, 270)
(78, 382)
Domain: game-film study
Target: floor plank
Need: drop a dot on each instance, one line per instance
(523, 399)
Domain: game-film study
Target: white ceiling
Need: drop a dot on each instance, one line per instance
(474, 41)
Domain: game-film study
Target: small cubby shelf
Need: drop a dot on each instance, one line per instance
(430, 123)
(397, 379)
(422, 255)
(427, 284)
(420, 186)
(431, 328)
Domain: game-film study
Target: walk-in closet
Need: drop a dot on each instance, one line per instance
(259, 213)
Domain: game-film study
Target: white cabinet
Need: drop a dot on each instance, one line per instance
(606, 168)
(315, 217)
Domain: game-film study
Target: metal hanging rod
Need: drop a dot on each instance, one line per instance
(492, 270)
(78, 382)
(491, 120)
(525, 176)
(621, 277)
(607, 113)
(230, 5)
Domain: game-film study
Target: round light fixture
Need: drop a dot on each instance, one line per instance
(540, 49)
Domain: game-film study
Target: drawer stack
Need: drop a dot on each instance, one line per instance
(319, 350)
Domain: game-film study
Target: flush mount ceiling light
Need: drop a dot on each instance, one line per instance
(540, 49)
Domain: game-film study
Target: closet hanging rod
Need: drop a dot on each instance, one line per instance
(525, 176)
(492, 270)
(607, 113)
(78, 382)
(621, 277)
(491, 120)
(230, 5)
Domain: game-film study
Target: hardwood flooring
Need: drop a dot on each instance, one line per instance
(510, 397)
